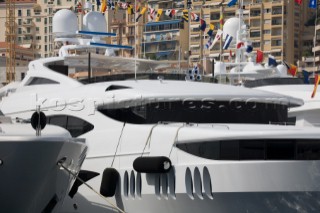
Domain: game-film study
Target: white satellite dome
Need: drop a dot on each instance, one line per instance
(95, 22)
(64, 23)
(231, 26)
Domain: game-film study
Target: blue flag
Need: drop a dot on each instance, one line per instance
(232, 2)
(227, 42)
(272, 61)
(306, 75)
(313, 4)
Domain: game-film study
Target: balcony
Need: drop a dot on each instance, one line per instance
(27, 23)
(316, 48)
(118, 22)
(130, 34)
(27, 33)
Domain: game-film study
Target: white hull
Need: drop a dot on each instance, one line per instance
(30, 179)
(255, 186)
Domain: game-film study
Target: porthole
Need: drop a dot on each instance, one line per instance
(138, 184)
(197, 183)
(125, 184)
(207, 183)
(189, 184)
(132, 184)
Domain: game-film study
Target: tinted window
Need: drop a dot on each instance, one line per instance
(38, 81)
(308, 150)
(59, 120)
(74, 125)
(229, 150)
(280, 150)
(266, 149)
(252, 150)
(200, 112)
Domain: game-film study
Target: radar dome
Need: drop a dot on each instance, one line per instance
(64, 23)
(231, 26)
(95, 22)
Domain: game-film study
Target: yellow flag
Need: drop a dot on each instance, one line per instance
(130, 9)
(159, 12)
(144, 9)
(103, 6)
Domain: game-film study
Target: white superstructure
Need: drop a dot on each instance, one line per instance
(229, 148)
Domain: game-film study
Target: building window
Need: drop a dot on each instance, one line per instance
(45, 21)
(37, 29)
(19, 21)
(28, 13)
(38, 19)
(19, 31)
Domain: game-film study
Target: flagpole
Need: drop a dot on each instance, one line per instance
(135, 42)
(189, 21)
(315, 40)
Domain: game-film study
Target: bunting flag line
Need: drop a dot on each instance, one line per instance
(211, 28)
(152, 13)
(103, 6)
(293, 70)
(138, 7)
(259, 57)
(168, 12)
(209, 43)
(232, 2)
(194, 17)
(111, 7)
(272, 61)
(173, 12)
(313, 4)
(185, 15)
(130, 10)
(306, 76)
(216, 38)
(159, 13)
(316, 83)
(221, 21)
(227, 42)
(299, 2)
(116, 7)
(143, 10)
(203, 25)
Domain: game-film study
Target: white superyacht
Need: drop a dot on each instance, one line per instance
(177, 146)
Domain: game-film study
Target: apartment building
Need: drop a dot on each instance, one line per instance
(166, 39)
(34, 23)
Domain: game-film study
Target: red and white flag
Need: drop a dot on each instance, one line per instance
(216, 38)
